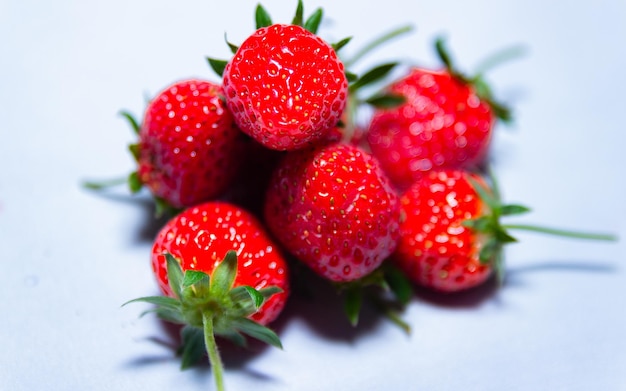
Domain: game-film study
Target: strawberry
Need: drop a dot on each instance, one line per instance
(451, 237)
(188, 144)
(435, 248)
(333, 208)
(221, 275)
(446, 121)
(285, 86)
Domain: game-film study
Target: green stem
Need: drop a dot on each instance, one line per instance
(498, 58)
(377, 42)
(211, 347)
(104, 184)
(560, 232)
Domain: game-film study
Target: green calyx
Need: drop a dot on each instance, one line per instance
(210, 306)
(497, 234)
(262, 19)
(386, 288)
(482, 88)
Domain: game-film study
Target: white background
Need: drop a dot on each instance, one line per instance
(70, 257)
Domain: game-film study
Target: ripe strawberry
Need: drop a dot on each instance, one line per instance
(435, 249)
(188, 144)
(451, 237)
(199, 238)
(333, 208)
(445, 122)
(221, 275)
(285, 86)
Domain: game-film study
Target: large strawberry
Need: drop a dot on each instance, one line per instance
(451, 236)
(188, 148)
(333, 208)
(285, 86)
(222, 275)
(446, 121)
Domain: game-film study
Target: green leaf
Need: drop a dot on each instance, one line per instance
(169, 314)
(489, 251)
(217, 65)
(193, 348)
(299, 16)
(479, 224)
(175, 274)
(262, 18)
(192, 277)
(352, 305)
(134, 151)
(512, 209)
(134, 124)
(161, 301)
(373, 75)
(399, 284)
(442, 52)
(386, 101)
(484, 194)
(337, 46)
(224, 275)
(134, 183)
(313, 22)
(269, 291)
(232, 46)
(245, 292)
(257, 331)
(351, 76)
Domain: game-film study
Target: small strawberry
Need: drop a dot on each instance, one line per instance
(188, 148)
(445, 122)
(222, 275)
(333, 208)
(285, 86)
(451, 237)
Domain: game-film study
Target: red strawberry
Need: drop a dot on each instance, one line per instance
(333, 208)
(188, 144)
(435, 248)
(445, 122)
(199, 238)
(221, 275)
(286, 87)
(451, 237)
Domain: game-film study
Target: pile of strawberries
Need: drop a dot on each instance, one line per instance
(269, 168)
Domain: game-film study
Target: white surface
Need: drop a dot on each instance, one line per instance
(71, 258)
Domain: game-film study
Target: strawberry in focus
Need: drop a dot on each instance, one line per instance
(286, 87)
(222, 276)
(188, 144)
(333, 208)
(199, 238)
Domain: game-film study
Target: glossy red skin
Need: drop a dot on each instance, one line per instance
(442, 124)
(200, 237)
(188, 144)
(285, 87)
(334, 209)
(435, 250)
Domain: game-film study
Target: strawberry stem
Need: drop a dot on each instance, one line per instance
(376, 43)
(105, 183)
(211, 347)
(560, 232)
